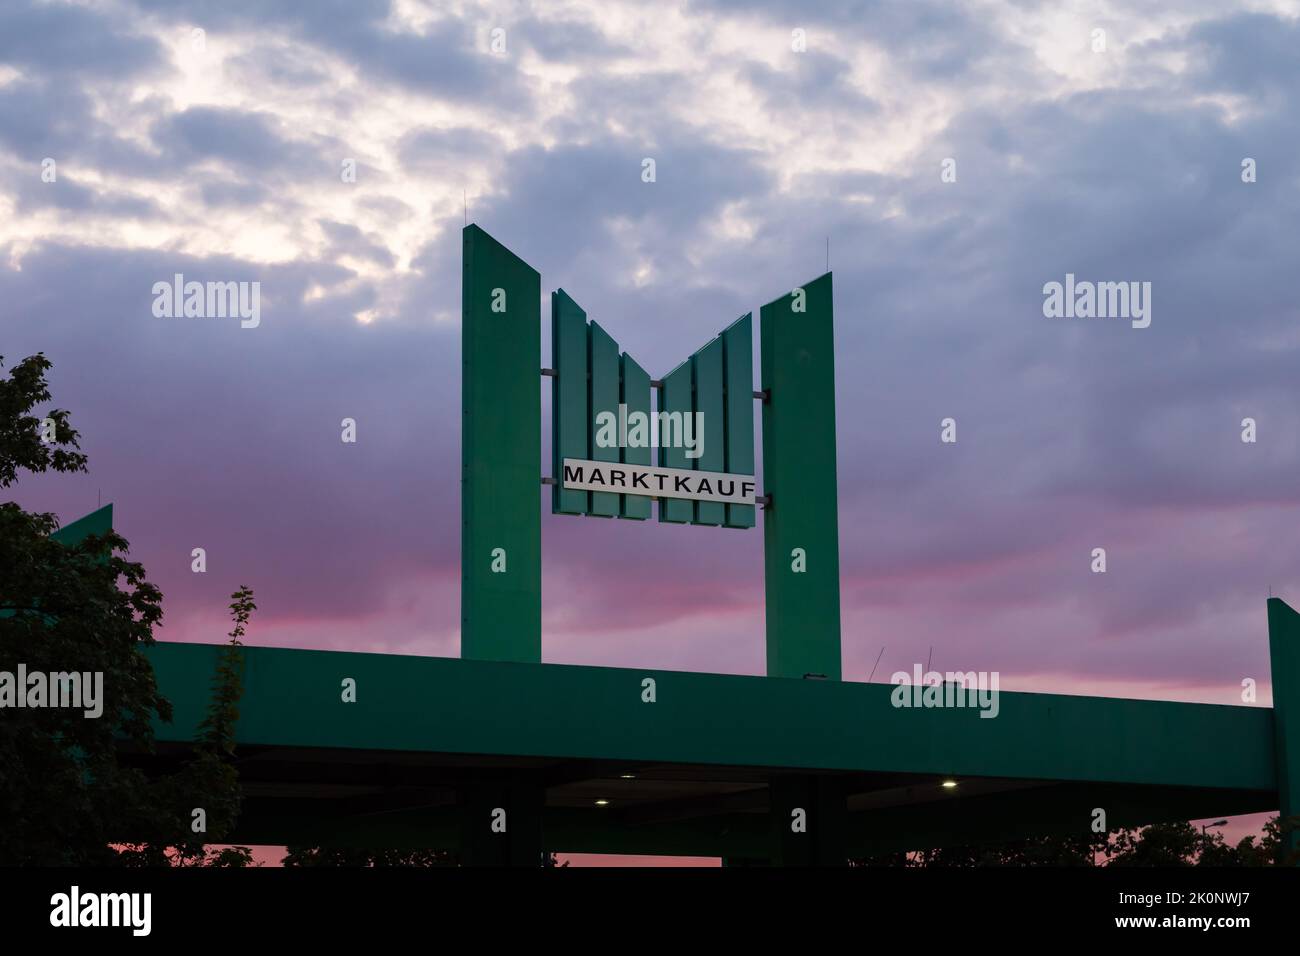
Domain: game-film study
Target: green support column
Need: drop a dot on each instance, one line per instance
(809, 818)
(501, 553)
(801, 527)
(1284, 661)
(501, 824)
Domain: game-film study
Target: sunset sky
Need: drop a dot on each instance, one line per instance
(218, 156)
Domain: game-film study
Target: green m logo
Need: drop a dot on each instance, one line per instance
(614, 450)
(621, 440)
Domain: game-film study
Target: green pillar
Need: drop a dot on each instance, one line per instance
(501, 552)
(809, 819)
(801, 526)
(1284, 662)
(501, 824)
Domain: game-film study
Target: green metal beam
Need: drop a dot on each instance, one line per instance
(487, 707)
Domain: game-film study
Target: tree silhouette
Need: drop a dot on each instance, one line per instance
(67, 794)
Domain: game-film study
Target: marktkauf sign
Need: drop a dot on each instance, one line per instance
(606, 461)
(654, 481)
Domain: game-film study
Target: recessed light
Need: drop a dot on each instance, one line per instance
(950, 785)
(627, 776)
(602, 803)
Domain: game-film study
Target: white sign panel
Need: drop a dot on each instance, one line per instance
(653, 481)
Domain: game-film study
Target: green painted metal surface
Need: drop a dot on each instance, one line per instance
(99, 521)
(675, 396)
(568, 398)
(738, 398)
(609, 378)
(635, 393)
(1284, 661)
(716, 381)
(501, 611)
(602, 399)
(292, 698)
(798, 363)
(706, 369)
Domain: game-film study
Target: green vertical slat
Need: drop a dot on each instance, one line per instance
(675, 396)
(635, 393)
(568, 398)
(501, 612)
(706, 367)
(602, 397)
(738, 392)
(1284, 663)
(738, 384)
(798, 363)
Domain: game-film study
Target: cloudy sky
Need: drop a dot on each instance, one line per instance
(218, 154)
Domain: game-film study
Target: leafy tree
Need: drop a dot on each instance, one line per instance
(1268, 851)
(1273, 842)
(1161, 844)
(339, 856)
(336, 856)
(21, 433)
(209, 781)
(1033, 851)
(66, 796)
